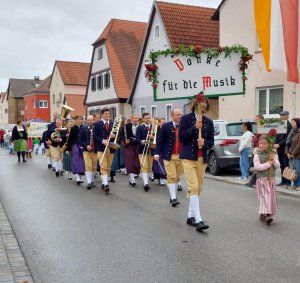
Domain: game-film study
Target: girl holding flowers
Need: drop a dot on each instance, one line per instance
(265, 163)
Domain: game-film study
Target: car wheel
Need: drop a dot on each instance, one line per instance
(213, 165)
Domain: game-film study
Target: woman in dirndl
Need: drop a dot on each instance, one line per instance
(19, 137)
(78, 166)
(67, 159)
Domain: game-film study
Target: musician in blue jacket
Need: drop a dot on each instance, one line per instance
(168, 146)
(145, 155)
(86, 141)
(44, 140)
(194, 154)
(102, 132)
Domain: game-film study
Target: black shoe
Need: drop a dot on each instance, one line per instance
(179, 188)
(57, 173)
(201, 226)
(89, 186)
(105, 188)
(53, 169)
(136, 176)
(175, 202)
(112, 179)
(81, 182)
(191, 221)
(146, 188)
(93, 185)
(151, 179)
(132, 183)
(49, 166)
(24, 160)
(78, 183)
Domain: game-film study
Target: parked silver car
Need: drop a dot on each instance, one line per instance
(225, 152)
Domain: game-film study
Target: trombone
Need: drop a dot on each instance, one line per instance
(114, 131)
(148, 142)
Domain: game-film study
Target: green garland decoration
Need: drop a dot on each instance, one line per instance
(195, 50)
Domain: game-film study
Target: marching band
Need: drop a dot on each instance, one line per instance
(177, 146)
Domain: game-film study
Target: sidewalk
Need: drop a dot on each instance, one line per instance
(13, 268)
(233, 178)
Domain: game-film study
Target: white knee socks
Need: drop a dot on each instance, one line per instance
(195, 206)
(145, 178)
(78, 177)
(131, 178)
(172, 190)
(49, 160)
(104, 179)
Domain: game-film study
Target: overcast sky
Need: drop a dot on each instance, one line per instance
(35, 33)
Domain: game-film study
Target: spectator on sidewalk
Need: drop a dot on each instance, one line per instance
(255, 142)
(280, 145)
(2, 133)
(244, 149)
(36, 145)
(293, 150)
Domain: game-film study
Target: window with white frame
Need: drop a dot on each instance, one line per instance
(93, 84)
(33, 103)
(142, 110)
(153, 111)
(100, 53)
(100, 82)
(107, 80)
(43, 104)
(156, 32)
(168, 112)
(269, 101)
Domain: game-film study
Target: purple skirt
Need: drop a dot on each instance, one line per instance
(78, 166)
(132, 162)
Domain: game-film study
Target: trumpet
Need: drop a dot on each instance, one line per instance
(148, 141)
(114, 131)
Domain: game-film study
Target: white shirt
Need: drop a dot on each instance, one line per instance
(246, 140)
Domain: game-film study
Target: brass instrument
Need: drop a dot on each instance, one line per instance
(154, 133)
(148, 141)
(114, 131)
(65, 111)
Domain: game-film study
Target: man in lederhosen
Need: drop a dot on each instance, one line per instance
(194, 155)
(86, 141)
(102, 130)
(131, 149)
(169, 146)
(142, 132)
(55, 144)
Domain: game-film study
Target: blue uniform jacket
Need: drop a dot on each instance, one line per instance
(165, 141)
(188, 135)
(100, 134)
(44, 139)
(84, 138)
(141, 134)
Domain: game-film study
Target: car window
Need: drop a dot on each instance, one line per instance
(216, 129)
(235, 129)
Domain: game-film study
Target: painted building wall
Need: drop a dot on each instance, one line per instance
(31, 112)
(4, 111)
(57, 87)
(239, 27)
(143, 96)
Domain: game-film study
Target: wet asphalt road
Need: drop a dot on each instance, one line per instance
(69, 234)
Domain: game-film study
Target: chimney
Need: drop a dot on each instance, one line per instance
(36, 78)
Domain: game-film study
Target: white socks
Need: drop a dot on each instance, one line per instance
(78, 177)
(195, 206)
(104, 179)
(145, 178)
(131, 178)
(49, 160)
(172, 190)
(55, 165)
(88, 176)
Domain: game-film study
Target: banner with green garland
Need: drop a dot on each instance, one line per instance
(182, 72)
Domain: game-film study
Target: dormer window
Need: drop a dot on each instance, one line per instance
(100, 53)
(156, 32)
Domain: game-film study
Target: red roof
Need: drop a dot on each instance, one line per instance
(74, 73)
(123, 41)
(76, 102)
(189, 25)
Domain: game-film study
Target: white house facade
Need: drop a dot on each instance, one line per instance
(267, 93)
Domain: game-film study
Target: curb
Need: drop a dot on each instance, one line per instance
(280, 191)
